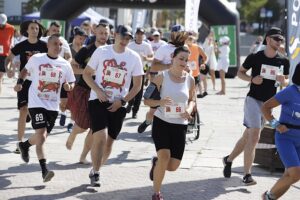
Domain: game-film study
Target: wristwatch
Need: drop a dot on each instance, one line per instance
(123, 102)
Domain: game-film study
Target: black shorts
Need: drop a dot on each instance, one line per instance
(42, 118)
(2, 64)
(23, 94)
(169, 136)
(205, 71)
(63, 93)
(101, 118)
(197, 79)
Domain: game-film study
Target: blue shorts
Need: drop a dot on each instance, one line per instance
(288, 147)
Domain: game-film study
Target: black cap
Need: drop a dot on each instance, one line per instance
(79, 31)
(103, 21)
(124, 30)
(177, 28)
(140, 30)
(296, 75)
(274, 31)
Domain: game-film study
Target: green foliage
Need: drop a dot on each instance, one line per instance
(35, 4)
(250, 9)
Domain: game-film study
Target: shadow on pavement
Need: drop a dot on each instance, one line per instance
(192, 190)
(123, 158)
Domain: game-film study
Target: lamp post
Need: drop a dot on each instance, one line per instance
(262, 16)
(269, 16)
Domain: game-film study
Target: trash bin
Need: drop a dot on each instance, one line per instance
(266, 153)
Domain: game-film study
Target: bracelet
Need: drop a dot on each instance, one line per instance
(20, 81)
(274, 123)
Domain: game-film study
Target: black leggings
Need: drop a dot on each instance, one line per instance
(169, 136)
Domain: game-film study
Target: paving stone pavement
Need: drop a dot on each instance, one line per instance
(125, 176)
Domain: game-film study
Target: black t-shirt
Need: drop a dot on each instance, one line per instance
(82, 58)
(26, 50)
(254, 62)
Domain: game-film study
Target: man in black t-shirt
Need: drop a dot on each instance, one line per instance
(268, 69)
(78, 98)
(33, 30)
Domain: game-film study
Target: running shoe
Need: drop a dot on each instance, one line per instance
(70, 127)
(48, 176)
(154, 160)
(17, 151)
(142, 127)
(24, 152)
(62, 120)
(95, 180)
(227, 167)
(248, 180)
(157, 196)
(265, 196)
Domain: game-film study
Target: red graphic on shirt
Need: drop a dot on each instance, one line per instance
(113, 63)
(30, 53)
(48, 86)
(273, 72)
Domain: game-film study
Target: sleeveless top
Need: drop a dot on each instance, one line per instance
(179, 93)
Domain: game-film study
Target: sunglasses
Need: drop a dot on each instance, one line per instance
(277, 39)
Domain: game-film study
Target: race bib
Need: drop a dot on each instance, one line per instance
(49, 75)
(114, 75)
(174, 111)
(269, 72)
(1, 49)
(192, 65)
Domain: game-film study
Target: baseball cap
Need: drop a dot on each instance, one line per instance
(274, 31)
(140, 30)
(177, 28)
(155, 33)
(3, 19)
(124, 30)
(79, 31)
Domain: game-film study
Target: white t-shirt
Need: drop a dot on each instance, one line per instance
(164, 53)
(114, 71)
(65, 45)
(47, 77)
(144, 49)
(156, 45)
(224, 52)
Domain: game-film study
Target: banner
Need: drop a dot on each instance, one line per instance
(139, 17)
(293, 33)
(191, 15)
(229, 31)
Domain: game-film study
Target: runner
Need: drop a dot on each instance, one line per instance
(162, 61)
(114, 65)
(49, 72)
(195, 65)
(171, 117)
(144, 49)
(75, 46)
(264, 66)
(78, 98)
(6, 41)
(287, 136)
(33, 30)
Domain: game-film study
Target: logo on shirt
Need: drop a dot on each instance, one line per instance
(114, 74)
(49, 78)
(30, 53)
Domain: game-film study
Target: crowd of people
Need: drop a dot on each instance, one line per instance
(100, 76)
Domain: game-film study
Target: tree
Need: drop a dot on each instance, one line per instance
(250, 9)
(34, 5)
